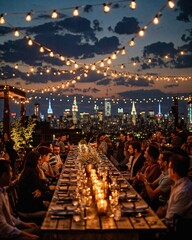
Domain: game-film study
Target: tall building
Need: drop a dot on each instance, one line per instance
(133, 113)
(159, 110)
(49, 110)
(107, 107)
(74, 110)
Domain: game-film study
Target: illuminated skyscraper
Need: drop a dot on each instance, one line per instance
(50, 110)
(74, 110)
(107, 107)
(159, 112)
(133, 113)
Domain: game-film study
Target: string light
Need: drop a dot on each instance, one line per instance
(171, 4)
(132, 4)
(106, 8)
(30, 42)
(28, 17)
(16, 33)
(2, 20)
(76, 12)
(54, 14)
(132, 42)
(41, 49)
(51, 54)
(141, 32)
(123, 52)
(156, 19)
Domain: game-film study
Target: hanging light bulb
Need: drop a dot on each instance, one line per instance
(149, 60)
(123, 52)
(132, 42)
(109, 60)
(62, 58)
(114, 56)
(134, 64)
(106, 8)
(171, 4)
(182, 53)
(76, 65)
(68, 63)
(47, 70)
(41, 49)
(51, 54)
(86, 66)
(76, 12)
(28, 17)
(156, 19)
(93, 67)
(32, 69)
(30, 42)
(141, 32)
(16, 66)
(132, 4)
(16, 33)
(122, 66)
(102, 64)
(54, 14)
(2, 20)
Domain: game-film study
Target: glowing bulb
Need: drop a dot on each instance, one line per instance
(182, 53)
(171, 4)
(132, 42)
(51, 54)
(132, 4)
(149, 60)
(68, 63)
(156, 20)
(16, 33)
(93, 67)
(123, 52)
(114, 56)
(28, 17)
(16, 66)
(76, 12)
(30, 42)
(62, 58)
(134, 64)
(54, 14)
(109, 60)
(2, 20)
(41, 49)
(122, 66)
(102, 64)
(106, 8)
(32, 69)
(141, 33)
(76, 65)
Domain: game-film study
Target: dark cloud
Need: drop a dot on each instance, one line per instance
(160, 49)
(88, 8)
(128, 25)
(47, 16)
(4, 30)
(185, 6)
(105, 81)
(96, 26)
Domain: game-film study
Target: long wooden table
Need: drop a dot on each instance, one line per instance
(131, 225)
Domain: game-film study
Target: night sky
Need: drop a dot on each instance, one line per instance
(163, 56)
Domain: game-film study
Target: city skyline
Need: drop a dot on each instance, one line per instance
(158, 66)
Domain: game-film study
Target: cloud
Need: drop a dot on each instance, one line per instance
(128, 25)
(185, 6)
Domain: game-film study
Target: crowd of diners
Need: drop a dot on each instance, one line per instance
(161, 173)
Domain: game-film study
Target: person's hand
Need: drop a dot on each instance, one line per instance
(28, 224)
(36, 193)
(142, 177)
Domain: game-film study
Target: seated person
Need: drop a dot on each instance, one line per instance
(11, 227)
(31, 189)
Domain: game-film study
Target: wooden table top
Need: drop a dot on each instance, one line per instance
(135, 219)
